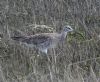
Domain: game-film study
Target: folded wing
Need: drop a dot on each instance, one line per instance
(39, 40)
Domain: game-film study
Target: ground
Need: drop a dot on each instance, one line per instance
(76, 60)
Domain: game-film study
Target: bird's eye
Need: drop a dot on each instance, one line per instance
(68, 28)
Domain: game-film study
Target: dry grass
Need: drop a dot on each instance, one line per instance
(77, 60)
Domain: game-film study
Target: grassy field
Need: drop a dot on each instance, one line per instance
(75, 60)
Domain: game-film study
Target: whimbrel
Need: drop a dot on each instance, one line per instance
(44, 41)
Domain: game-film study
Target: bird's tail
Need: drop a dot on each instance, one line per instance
(18, 38)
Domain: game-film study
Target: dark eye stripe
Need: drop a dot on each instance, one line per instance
(68, 28)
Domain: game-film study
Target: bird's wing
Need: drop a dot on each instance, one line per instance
(42, 40)
(18, 38)
(37, 39)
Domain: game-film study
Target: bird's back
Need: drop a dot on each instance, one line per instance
(43, 40)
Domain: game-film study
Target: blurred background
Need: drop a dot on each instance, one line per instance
(76, 60)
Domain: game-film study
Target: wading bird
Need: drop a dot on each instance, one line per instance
(44, 41)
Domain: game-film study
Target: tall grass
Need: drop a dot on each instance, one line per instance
(75, 60)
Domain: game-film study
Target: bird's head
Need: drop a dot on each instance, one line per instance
(67, 29)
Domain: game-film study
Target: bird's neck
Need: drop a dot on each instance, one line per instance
(63, 35)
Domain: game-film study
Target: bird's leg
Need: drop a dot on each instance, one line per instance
(43, 50)
(54, 55)
(53, 65)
